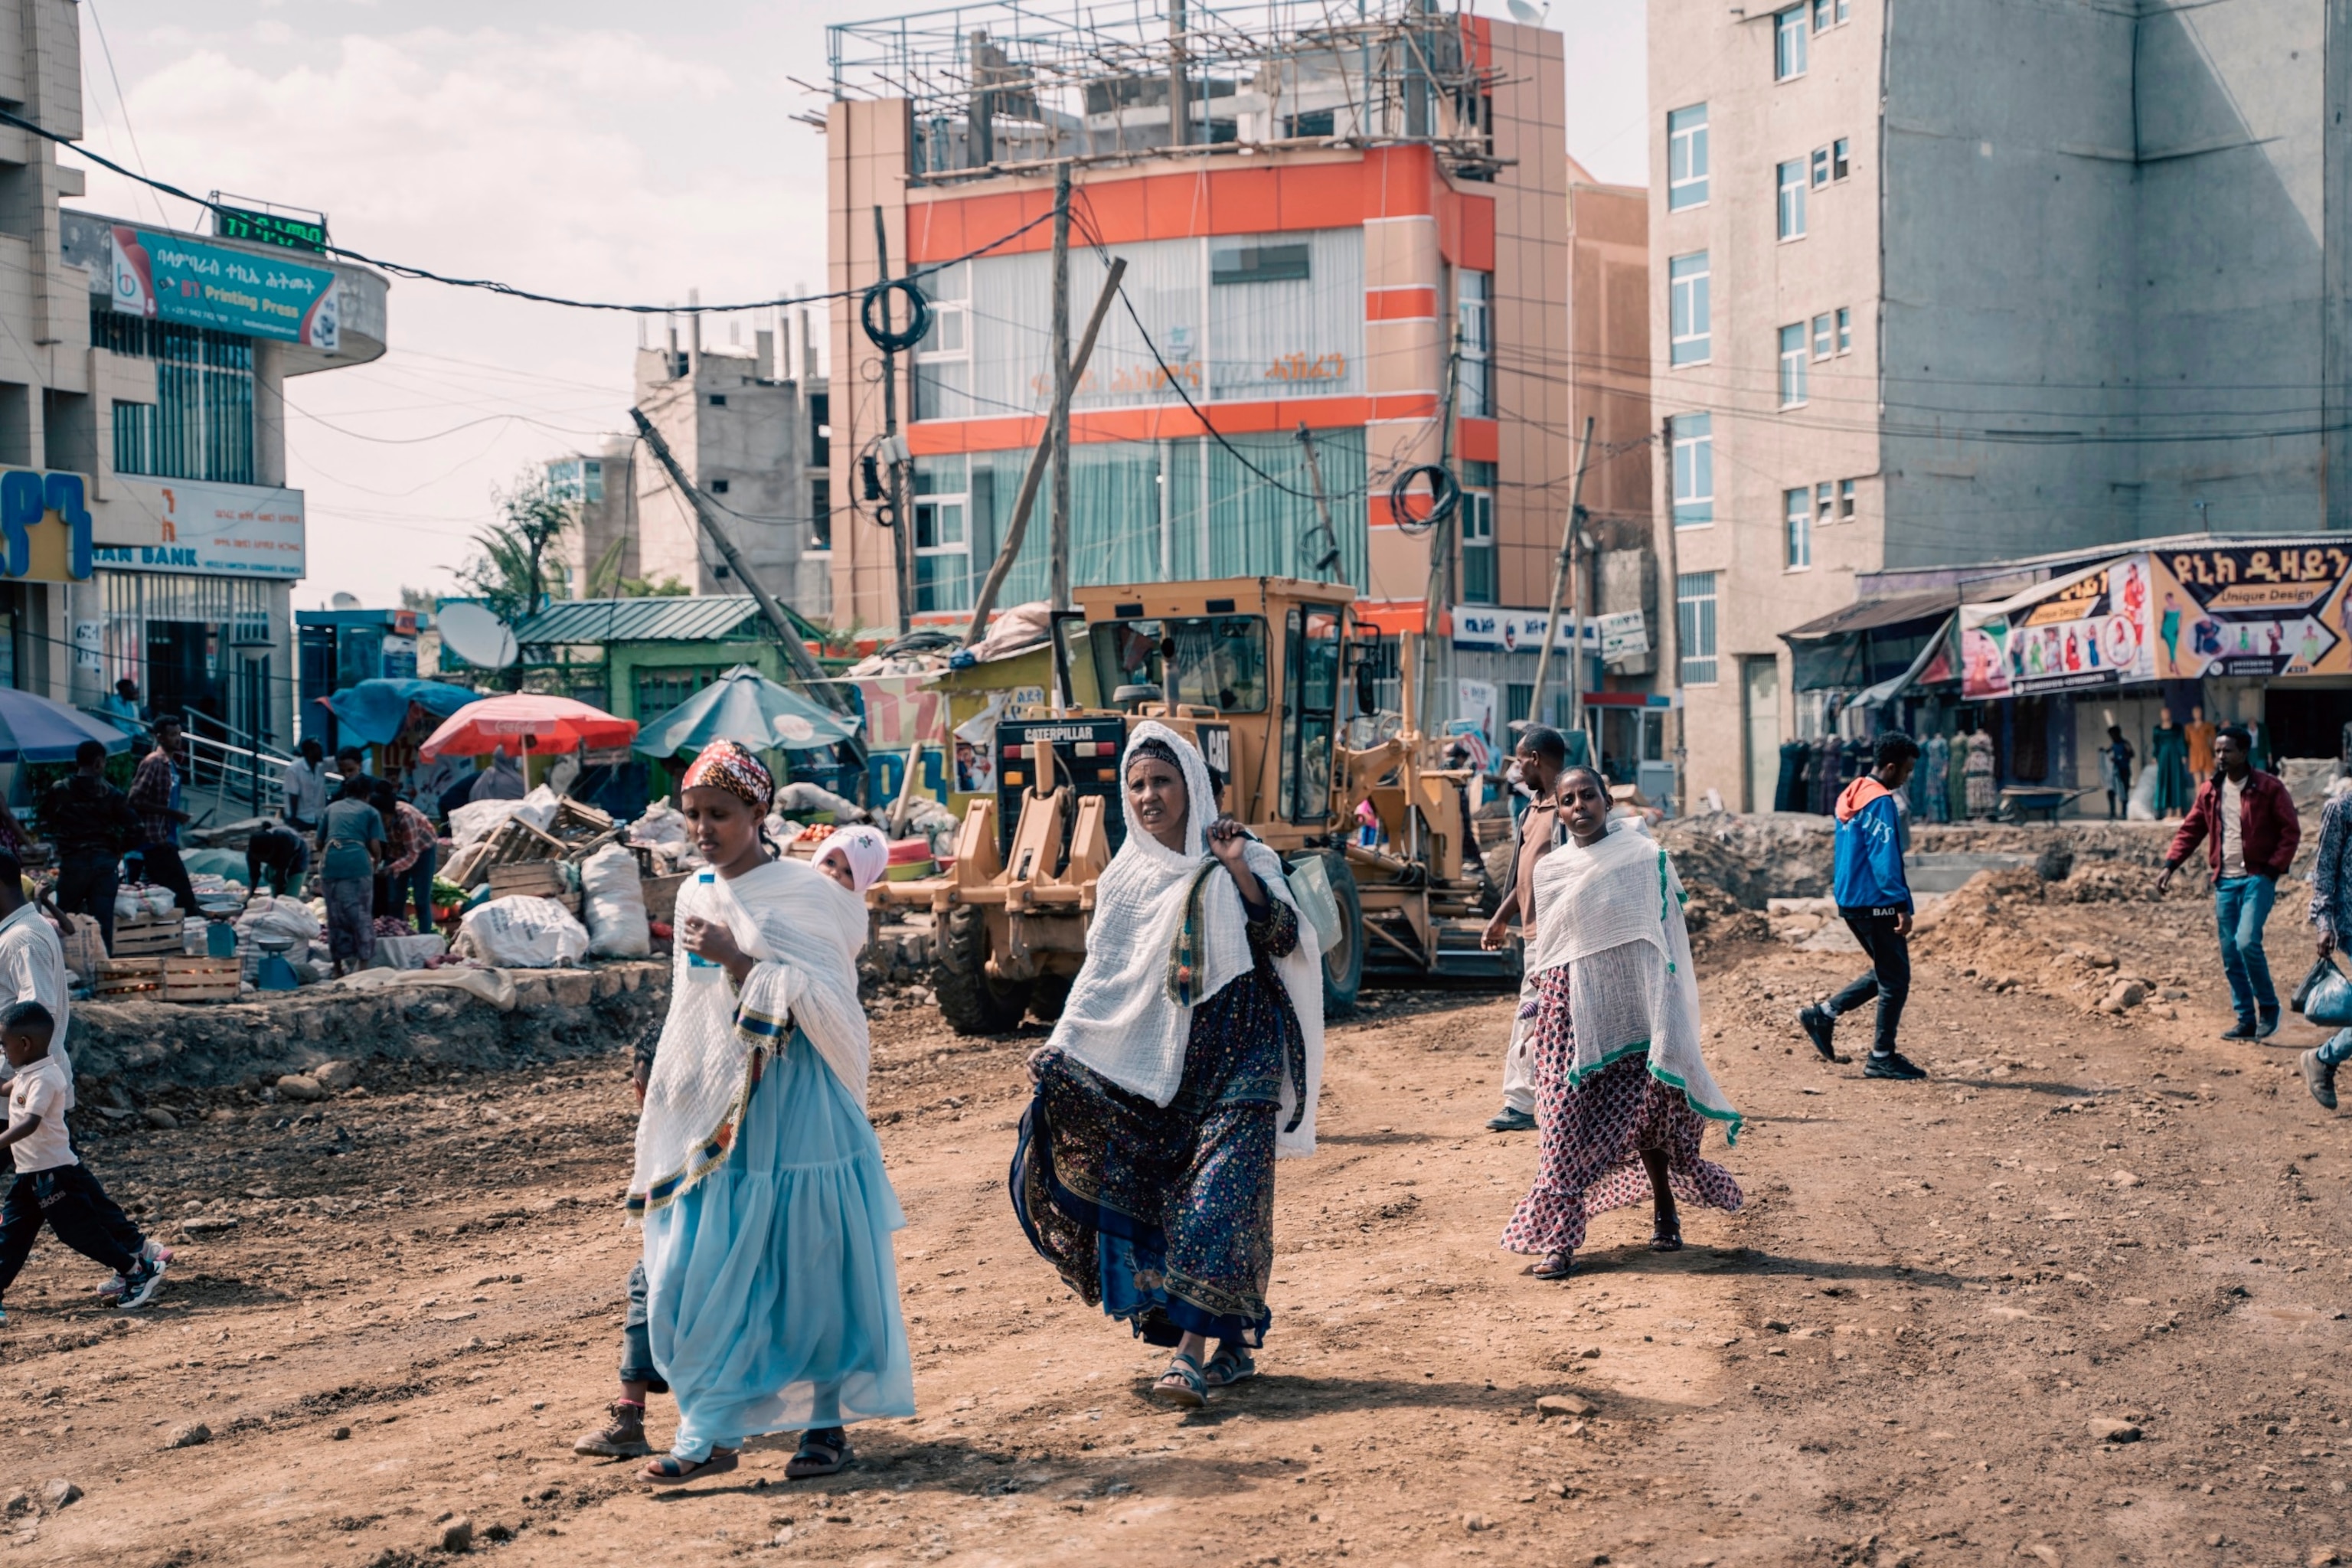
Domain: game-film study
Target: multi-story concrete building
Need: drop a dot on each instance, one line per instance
(1336, 225)
(1936, 284)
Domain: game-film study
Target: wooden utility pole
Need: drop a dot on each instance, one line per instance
(1058, 537)
(985, 600)
(796, 653)
(902, 558)
(1435, 596)
(1561, 576)
(1330, 558)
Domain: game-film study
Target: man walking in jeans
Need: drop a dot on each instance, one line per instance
(2247, 822)
(1875, 900)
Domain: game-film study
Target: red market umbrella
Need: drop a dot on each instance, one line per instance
(523, 721)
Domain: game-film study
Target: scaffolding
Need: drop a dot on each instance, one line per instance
(1008, 87)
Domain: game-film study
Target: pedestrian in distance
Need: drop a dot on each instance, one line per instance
(90, 823)
(2115, 762)
(1539, 757)
(306, 784)
(771, 1292)
(1624, 1093)
(2331, 909)
(155, 795)
(2246, 821)
(1185, 1062)
(1873, 898)
(350, 845)
(52, 1186)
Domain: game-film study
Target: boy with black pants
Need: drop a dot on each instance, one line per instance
(1875, 900)
(52, 1186)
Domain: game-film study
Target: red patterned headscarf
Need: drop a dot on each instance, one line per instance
(724, 764)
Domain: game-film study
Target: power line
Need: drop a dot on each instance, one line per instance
(491, 285)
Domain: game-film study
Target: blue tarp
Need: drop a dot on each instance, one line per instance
(36, 730)
(374, 710)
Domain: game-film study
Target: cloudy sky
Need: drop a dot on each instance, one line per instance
(564, 149)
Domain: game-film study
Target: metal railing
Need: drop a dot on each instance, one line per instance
(239, 771)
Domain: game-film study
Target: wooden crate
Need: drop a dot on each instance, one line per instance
(539, 878)
(515, 840)
(201, 979)
(575, 822)
(125, 979)
(149, 938)
(661, 895)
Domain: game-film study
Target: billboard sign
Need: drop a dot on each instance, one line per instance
(2272, 610)
(1617, 635)
(212, 530)
(170, 278)
(2086, 629)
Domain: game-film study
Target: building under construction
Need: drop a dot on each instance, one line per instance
(1349, 217)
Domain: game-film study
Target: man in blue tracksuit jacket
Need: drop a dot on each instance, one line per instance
(1875, 900)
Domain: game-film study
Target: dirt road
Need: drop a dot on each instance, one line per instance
(1899, 1352)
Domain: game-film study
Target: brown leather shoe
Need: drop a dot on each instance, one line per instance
(622, 1438)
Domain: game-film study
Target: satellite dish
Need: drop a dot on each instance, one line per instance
(345, 602)
(476, 635)
(1527, 15)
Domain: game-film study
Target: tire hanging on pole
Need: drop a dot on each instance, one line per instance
(1445, 493)
(874, 314)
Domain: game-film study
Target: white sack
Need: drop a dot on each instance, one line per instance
(613, 898)
(522, 933)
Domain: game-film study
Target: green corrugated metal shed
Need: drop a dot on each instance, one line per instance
(719, 617)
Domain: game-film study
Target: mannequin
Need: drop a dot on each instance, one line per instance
(2168, 753)
(2201, 744)
(1931, 788)
(1983, 799)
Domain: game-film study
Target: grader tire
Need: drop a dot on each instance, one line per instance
(1047, 995)
(1343, 966)
(971, 1000)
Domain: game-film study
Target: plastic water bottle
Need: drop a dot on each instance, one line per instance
(706, 878)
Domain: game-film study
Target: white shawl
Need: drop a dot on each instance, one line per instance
(804, 931)
(1121, 1019)
(1613, 912)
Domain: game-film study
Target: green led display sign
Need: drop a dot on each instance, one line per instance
(269, 228)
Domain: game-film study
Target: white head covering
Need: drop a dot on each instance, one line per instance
(1121, 1019)
(862, 849)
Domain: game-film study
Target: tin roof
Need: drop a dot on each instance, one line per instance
(718, 617)
(1872, 615)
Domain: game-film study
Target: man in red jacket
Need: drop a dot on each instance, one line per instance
(2247, 822)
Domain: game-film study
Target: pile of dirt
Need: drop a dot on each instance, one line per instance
(1754, 857)
(1715, 917)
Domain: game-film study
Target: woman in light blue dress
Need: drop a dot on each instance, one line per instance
(772, 1296)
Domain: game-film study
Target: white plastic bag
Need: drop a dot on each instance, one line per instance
(522, 933)
(537, 808)
(613, 901)
(276, 923)
(477, 819)
(660, 824)
(2141, 807)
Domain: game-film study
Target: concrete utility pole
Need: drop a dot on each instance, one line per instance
(1437, 594)
(796, 653)
(1674, 587)
(1058, 537)
(1015, 531)
(902, 559)
(1180, 105)
(1561, 575)
(1329, 559)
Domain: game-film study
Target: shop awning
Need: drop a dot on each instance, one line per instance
(1935, 647)
(1854, 646)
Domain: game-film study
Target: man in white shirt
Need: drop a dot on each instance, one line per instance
(306, 789)
(33, 962)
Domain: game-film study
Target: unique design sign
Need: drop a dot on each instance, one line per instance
(169, 278)
(2238, 610)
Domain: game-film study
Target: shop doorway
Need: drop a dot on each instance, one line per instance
(2306, 721)
(1760, 693)
(179, 669)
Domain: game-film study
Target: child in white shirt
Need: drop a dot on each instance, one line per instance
(52, 1186)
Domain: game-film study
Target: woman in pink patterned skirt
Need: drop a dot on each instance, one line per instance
(1622, 1093)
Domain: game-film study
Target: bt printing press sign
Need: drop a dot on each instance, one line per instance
(169, 278)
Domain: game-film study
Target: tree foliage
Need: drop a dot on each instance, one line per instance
(520, 559)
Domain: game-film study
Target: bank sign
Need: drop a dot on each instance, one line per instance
(168, 278)
(212, 530)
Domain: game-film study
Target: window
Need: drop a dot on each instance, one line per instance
(943, 359)
(1820, 167)
(1474, 396)
(1259, 264)
(719, 487)
(1686, 157)
(1693, 438)
(1478, 514)
(1695, 627)
(1844, 12)
(1792, 365)
(820, 511)
(1788, 47)
(1845, 330)
(200, 426)
(1823, 13)
(1217, 661)
(662, 688)
(1822, 337)
(1845, 499)
(1823, 514)
(718, 400)
(1797, 534)
(1686, 291)
(943, 543)
(1792, 199)
(1841, 158)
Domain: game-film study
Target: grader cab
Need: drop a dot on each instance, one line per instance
(1262, 674)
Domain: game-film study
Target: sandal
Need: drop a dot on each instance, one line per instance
(822, 1452)
(670, 1468)
(1228, 1366)
(1555, 1265)
(1666, 1235)
(1181, 1385)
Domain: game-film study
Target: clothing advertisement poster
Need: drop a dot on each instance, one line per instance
(2087, 628)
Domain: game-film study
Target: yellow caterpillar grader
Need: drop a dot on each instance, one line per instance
(1264, 674)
